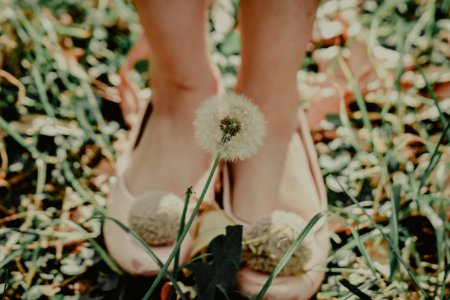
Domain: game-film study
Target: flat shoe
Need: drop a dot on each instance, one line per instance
(124, 249)
(289, 287)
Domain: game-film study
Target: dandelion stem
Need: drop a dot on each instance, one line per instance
(186, 227)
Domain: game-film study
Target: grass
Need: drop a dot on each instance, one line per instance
(61, 130)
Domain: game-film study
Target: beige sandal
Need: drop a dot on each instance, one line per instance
(289, 287)
(124, 249)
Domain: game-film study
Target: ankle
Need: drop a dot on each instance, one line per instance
(177, 98)
(203, 77)
(278, 106)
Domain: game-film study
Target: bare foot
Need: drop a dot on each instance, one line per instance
(167, 157)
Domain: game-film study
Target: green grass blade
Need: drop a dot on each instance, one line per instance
(102, 252)
(444, 280)
(359, 241)
(287, 255)
(393, 223)
(11, 256)
(188, 225)
(363, 251)
(354, 289)
(434, 160)
(19, 139)
(438, 224)
(388, 240)
(433, 96)
(343, 116)
(181, 228)
(149, 251)
(354, 243)
(358, 97)
(42, 91)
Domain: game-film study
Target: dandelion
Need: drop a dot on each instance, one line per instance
(155, 217)
(269, 238)
(232, 120)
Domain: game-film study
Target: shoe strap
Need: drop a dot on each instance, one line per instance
(311, 154)
(134, 137)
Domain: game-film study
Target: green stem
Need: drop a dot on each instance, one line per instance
(42, 92)
(363, 249)
(32, 269)
(19, 139)
(95, 108)
(180, 231)
(442, 117)
(102, 253)
(390, 243)
(41, 176)
(434, 160)
(186, 229)
(393, 223)
(358, 96)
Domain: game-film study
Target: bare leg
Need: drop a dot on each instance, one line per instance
(181, 77)
(166, 158)
(274, 38)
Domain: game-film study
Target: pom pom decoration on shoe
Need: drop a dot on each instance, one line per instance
(266, 240)
(230, 120)
(156, 216)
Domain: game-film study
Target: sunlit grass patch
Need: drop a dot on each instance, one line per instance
(384, 156)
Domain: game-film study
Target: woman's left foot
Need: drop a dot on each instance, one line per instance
(277, 177)
(274, 194)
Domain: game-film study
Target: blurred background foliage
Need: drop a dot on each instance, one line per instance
(376, 81)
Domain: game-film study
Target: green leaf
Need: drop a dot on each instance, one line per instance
(221, 273)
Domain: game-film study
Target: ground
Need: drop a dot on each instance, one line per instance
(376, 82)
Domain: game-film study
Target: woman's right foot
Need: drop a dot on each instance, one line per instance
(167, 157)
(167, 145)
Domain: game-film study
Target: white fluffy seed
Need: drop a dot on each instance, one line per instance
(236, 107)
(156, 216)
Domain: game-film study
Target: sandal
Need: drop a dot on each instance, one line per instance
(301, 285)
(121, 205)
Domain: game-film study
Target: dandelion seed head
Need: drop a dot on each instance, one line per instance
(270, 237)
(230, 127)
(237, 118)
(156, 216)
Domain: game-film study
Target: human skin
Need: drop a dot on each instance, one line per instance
(181, 76)
(274, 39)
